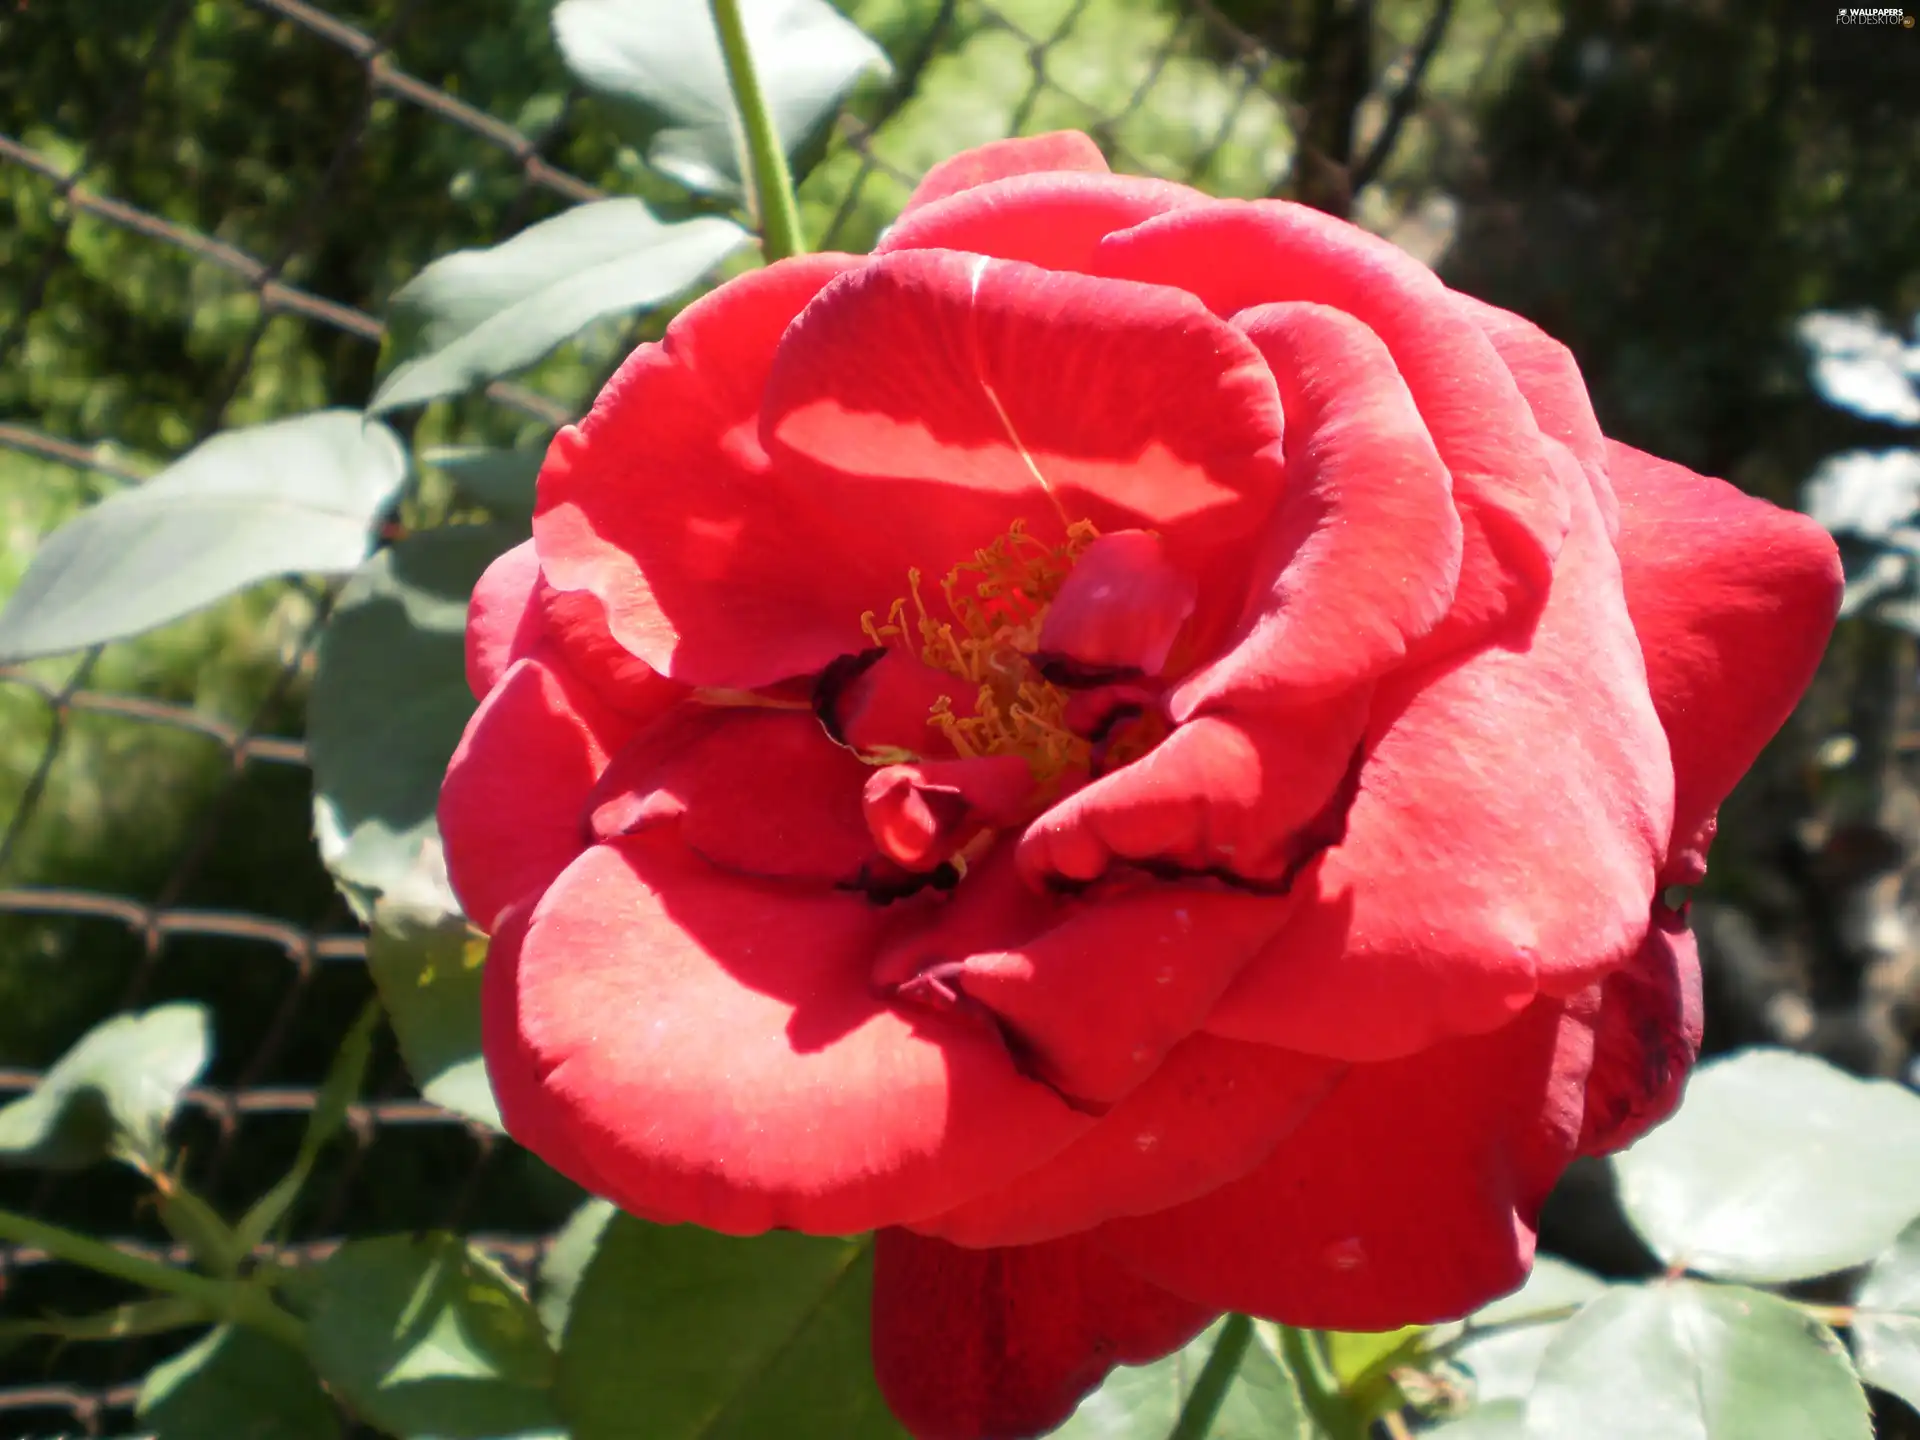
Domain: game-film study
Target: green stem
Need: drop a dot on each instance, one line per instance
(1216, 1377)
(772, 183)
(1320, 1389)
(237, 1300)
(199, 1227)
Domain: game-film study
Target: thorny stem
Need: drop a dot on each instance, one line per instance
(774, 207)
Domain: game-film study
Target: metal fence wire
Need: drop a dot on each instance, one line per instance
(207, 203)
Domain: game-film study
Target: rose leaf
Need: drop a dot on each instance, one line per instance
(1496, 1420)
(114, 1092)
(566, 1262)
(1501, 1345)
(668, 61)
(1713, 1362)
(1777, 1167)
(238, 1384)
(388, 704)
(296, 496)
(722, 1338)
(1886, 1319)
(478, 314)
(427, 1337)
(501, 480)
(427, 967)
(1142, 1402)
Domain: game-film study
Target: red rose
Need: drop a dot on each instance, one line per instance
(955, 760)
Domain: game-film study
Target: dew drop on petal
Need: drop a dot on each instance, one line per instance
(1347, 1254)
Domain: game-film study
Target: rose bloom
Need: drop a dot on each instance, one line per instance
(1136, 745)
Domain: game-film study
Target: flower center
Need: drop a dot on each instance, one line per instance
(996, 604)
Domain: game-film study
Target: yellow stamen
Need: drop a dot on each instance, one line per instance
(998, 603)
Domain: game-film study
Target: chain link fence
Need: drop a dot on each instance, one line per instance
(204, 212)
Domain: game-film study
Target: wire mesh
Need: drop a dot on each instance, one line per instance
(270, 262)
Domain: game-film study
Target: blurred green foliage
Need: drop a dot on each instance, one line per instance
(1667, 187)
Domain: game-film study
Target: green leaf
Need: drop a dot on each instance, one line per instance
(427, 967)
(238, 1385)
(1356, 1355)
(1142, 1402)
(388, 704)
(1501, 1347)
(1501, 1420)
(478, 314)
(666, 56)
(1696, 1362)
(114, 1092)
(1886, 1319)
(428, 1338)
(501, 480)
(566, 1264)
(1778, 1167)
(342, 1087)
(721, 1338)
(1363, 1363)
(294, 496)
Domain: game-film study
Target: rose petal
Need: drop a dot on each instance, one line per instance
(1248, 797)
(1556, 392)
(1509, 824)
(994, 1344)
(576, 626)
(711, 567)
(505, 1056)
(877, 702)
(1211, 1112)
(935, 398)
(1054, 220)
(999, 159)
(1734, 600)
(1408, 1196)
(1117, 613)
(1513, 506)
(713, 1043)
(503, 619)
(756, 792)
(920, 814)
(993, 910)
(511, 804)
(1646, 1039)
(515, 613)
(1363, 556)
(1095, 1001)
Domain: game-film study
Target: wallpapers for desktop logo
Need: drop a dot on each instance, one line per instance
(1873, 15)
